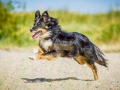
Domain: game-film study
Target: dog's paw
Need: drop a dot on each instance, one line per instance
(35, 51)
(32, 58)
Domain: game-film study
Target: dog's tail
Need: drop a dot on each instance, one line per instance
(100, 57)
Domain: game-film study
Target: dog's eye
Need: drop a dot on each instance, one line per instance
(40, 31)
(39, 23)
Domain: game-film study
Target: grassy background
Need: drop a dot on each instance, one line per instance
(102, 29)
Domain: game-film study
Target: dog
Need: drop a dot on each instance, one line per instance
(39, 30)
(54, 41)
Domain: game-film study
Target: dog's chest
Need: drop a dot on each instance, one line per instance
(46, 44)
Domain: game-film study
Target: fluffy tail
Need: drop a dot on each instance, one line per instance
(100, 57)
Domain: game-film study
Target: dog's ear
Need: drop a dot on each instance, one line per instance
(37, 14)
(45, 13)
(45, 16)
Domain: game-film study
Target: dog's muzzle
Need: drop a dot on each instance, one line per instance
(33, 28)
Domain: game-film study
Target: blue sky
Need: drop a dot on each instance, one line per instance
(81, 6)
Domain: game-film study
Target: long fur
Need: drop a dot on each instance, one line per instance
(73, 45)
(83, 45)
(79, 43)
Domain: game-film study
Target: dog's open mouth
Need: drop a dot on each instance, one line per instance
(36, 35)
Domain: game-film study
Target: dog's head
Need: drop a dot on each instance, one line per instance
(42, 24)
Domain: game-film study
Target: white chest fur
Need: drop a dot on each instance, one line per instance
(45, 44)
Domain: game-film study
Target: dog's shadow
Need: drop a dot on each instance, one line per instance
(35, 80)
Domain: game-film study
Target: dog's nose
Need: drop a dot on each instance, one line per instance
(31, 30)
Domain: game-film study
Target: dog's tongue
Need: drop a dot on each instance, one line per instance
(35, 35)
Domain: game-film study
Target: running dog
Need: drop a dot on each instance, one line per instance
(56, 42)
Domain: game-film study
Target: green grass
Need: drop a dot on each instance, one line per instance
(102, 29)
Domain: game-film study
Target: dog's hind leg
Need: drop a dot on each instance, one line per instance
(94, 70)
(81, 60)
(90, 62)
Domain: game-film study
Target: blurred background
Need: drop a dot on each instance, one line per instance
(99, 20)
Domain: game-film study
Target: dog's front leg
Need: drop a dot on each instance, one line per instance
(41, 56)
(37, 50)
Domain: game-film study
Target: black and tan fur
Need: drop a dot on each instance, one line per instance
(54, 41)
